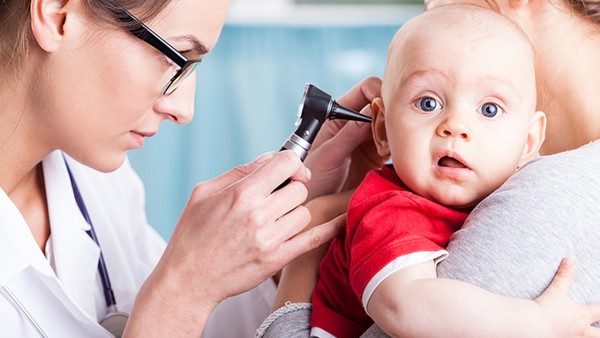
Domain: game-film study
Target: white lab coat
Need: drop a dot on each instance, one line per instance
(71, 305)
(62, 294)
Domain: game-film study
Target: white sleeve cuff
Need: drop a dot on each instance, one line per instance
(397, 264)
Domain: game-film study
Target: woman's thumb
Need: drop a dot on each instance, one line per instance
(563, 277)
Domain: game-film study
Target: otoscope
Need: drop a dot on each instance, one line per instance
(314, 109)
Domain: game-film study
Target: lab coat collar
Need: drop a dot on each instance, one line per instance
(75, 254)
(18, 248)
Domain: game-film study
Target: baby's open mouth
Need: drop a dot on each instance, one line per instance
(450, 162)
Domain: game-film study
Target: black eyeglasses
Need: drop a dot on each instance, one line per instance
(143, 32)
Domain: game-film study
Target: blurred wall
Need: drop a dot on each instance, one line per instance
(248, 90)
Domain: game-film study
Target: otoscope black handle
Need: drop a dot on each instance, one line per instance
(315, 108)
(286, 182)
(299, 146)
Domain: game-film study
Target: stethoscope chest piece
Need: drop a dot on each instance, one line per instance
(115, 323)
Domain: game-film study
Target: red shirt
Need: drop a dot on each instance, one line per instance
(385, 221)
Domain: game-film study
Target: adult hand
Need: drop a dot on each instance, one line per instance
(234, 233)
(344, 151)
(299, 278)
(564, 317)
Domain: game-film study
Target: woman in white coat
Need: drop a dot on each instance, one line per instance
(82, 82)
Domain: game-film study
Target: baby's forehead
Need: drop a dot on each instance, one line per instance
(460, 45)
(458, 22)
(456, 30)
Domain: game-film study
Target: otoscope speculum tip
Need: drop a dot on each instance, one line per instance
(343, 113)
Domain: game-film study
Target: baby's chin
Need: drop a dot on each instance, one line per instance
(457, 202)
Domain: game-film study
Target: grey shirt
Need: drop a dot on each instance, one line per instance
(513, 241)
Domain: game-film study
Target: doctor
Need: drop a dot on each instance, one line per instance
(82, 82)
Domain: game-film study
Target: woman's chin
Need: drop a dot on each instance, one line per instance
(103, 163)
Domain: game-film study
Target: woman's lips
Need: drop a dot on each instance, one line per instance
(139, 136)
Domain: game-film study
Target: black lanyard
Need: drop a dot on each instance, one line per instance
(109, 295)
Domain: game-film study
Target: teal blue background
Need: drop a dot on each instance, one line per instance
(248, 90)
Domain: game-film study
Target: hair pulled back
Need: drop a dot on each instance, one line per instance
(15, 23)
(588, 9)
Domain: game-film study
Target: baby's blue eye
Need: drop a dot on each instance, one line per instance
(428, 104)
(490, 110)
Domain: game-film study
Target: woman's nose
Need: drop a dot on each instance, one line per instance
(179, 105)
(454, 124)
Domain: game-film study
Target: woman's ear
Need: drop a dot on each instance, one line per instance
(535, 137)
(48, 18)
(378, 128)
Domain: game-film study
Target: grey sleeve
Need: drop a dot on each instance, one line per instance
(291, 321)
(513, 242)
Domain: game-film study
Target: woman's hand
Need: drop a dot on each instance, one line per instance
(340, 157)
(563, 316)
(234, 233)
(300, 277)
(344, 151)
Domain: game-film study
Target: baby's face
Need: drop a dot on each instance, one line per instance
(457, 114)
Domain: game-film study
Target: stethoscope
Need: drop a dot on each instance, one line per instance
(115, 320)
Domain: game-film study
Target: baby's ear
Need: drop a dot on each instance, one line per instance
(535, 137)
(378, 128)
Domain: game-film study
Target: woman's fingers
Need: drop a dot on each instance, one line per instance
(564, 275)
(288, 225)
(283, 165)
(592, 332)
(594, 310)
(348, 138)
(221, 182)
(286, 199)
(332, 152)
(356, 98)
(362, 94)
(312, 238)
(270, 170)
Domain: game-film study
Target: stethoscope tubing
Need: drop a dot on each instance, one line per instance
(109, 295)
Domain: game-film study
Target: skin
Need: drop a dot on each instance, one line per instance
(566, 47)
(526, 317)
(95, 92)
(111, 127)
(572, 121)
(457, 154)
(426, 304)
(48, 118)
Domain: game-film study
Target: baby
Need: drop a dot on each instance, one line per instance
(457, 116)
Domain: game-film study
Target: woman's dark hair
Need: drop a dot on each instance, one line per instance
(588, 9)
(15, 23)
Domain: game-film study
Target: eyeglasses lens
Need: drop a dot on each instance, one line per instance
(181, 75)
